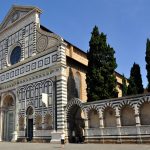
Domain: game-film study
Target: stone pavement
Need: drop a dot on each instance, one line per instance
(48, 146)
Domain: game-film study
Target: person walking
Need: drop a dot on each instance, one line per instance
(62, 140)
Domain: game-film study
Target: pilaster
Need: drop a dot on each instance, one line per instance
(86, 123)
(61, 87)
(137, 118)
(1, 124)
(118, 121)
(101, 121)
(60, 95)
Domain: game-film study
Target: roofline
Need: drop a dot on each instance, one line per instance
(27, 6)
(65, 40)
(76, 47)
(80, 50)
(120, 75)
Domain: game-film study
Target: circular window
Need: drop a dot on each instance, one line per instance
(15, 55)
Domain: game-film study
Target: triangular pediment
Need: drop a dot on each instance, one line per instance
(15, 13)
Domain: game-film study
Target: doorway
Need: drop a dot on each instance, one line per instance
(76, 125)
(29, 128)
(9, 118)
(10, 126)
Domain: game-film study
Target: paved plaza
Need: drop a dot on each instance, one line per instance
(48, 146)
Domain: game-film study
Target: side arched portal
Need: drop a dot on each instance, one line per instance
(8, 105)
(76, 125)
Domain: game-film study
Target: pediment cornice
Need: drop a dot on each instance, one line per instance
(16, 13)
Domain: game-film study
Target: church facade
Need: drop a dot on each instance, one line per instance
(43, 89)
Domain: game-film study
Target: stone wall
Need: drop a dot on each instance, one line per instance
(76, 81)
(123, 120)
(79, 63)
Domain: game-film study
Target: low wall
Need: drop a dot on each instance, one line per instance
(38, 136)
(128, 134)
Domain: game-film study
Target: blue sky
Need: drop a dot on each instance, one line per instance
(125, 22)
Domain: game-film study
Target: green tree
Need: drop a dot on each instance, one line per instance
(136, 80)
(124, 86)
(132, 90)
(147, 59)
(136, 73)
(101, 82)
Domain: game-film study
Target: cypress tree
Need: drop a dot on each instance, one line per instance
(132, 90)
(135, 80)
(147, 58)
(101, 82)
(124, 86)
(136, 73)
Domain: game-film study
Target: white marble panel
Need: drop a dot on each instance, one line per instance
(42, 133)
(30, 50)
(31, 28)
(130, 130)
(145, 129)
(13, 39)
(26, 41)
(94, 132)
(26, 52)
(16, 37)
(20, 34)
(31, 39)
(110, 131)
(9, 41)
(27, 30)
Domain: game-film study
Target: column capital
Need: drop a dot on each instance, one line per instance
(118, 116)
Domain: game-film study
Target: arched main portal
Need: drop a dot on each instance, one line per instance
(8, 118)
(29, 128)
(76, 124)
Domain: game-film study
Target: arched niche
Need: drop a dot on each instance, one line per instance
(21, 123)
(48, 122)
(93, 117)
(145, 113)
(38, 122)
(109, 117)
(127, 115)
